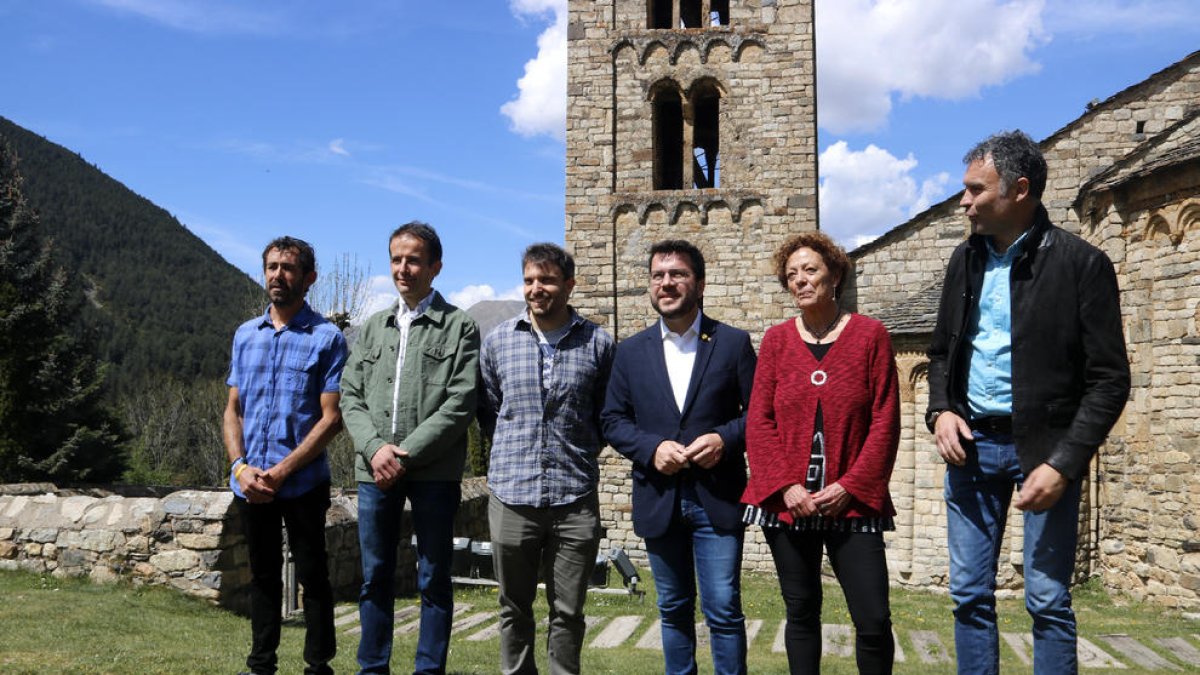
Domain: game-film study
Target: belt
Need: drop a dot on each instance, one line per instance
(992, 425)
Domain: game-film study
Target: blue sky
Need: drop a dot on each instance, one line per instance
(337, 122)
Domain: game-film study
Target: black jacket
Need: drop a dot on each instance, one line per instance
(1070, 371)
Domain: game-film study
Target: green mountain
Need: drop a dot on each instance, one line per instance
(162, 301)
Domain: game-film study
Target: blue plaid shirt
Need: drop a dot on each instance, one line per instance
(280, 376)
(545, 431)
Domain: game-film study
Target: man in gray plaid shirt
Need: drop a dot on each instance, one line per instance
(545, 372)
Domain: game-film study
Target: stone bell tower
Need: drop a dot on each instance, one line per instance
(691, 119)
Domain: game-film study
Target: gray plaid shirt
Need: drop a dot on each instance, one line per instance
(545, 431)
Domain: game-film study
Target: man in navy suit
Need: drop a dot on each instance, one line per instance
(676, 408)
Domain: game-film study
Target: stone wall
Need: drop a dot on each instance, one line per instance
(1149, 485)
(914, 255)
(1139, 530)
(190, 540)
(762, 65)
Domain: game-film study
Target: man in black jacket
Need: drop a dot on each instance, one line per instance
(1027, 375)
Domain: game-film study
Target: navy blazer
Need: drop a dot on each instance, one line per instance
(640, 412)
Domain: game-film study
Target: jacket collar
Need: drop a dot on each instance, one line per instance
(436, 314)
(1036, 239)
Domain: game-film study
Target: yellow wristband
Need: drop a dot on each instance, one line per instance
(238, 474)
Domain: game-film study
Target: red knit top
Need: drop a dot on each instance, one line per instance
(860, 403)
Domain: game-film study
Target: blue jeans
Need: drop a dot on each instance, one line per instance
(977, 500)
(434, 504)
(692, 549)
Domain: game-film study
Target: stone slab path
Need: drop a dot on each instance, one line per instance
(1139, 654)
(1176, 653)
(928, 646)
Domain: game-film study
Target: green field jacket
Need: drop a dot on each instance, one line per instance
(437, 391)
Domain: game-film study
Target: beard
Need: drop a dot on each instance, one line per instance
(686, 304)
(284, 294)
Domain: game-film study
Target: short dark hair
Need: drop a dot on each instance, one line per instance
(834, 256)
(546, 253)
(424, 232)
(303, 249)
(1014, 154)
(676, 247)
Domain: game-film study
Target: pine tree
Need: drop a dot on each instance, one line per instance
(52, 422)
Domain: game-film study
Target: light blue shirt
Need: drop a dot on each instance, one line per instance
(989, 381)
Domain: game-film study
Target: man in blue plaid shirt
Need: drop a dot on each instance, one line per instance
(281, 413)
(545, 372)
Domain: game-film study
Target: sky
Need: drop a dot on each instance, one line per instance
(337, 122)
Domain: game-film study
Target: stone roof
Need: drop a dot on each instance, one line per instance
(1186, 152)
(1151, 157)
(915, 315)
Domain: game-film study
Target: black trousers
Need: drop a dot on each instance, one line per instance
(861, 567)
(304, 517)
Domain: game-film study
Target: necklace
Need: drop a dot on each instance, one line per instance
(820, 335)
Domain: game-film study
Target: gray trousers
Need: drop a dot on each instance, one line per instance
(563, 541)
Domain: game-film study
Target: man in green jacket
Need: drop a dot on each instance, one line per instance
(408, 395)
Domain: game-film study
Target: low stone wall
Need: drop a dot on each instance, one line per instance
(188, 539)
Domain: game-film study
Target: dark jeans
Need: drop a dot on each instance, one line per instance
(860, 565)
(434, 504)
(562, 540)
(304, 517)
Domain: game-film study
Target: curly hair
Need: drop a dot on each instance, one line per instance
(1015, 155)
(304, 251)
(834, 256)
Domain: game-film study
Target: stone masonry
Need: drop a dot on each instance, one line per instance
(761, 65)
(1124, 176)
(190, 540)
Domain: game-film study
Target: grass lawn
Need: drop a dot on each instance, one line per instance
(73, 626)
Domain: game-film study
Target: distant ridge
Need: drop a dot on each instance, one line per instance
(162, 301)
(491, 313)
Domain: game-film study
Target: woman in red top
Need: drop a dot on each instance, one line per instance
(821, 438)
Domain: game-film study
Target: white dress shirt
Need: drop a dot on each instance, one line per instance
(404, 319)
(680, 354)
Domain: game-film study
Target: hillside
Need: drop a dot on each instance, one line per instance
(491, 313)
(162, 301)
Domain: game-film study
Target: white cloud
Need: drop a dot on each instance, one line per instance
(933, 190)
(201, 16)
(871, 51)
(400, 172)
(865, 193)
(473, 293)
(540, 107)
(381, 294)
(385, 181)
(306, 152)
(338, 147)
